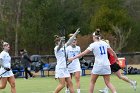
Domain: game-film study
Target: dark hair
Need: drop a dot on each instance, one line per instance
(4, 43)
(23, 50)
(97, 34)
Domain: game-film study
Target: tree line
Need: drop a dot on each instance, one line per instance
(31, 24)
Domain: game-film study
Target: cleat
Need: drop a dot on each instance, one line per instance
(105, 90)
(134, 85)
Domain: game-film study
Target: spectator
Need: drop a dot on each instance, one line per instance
(25, 61)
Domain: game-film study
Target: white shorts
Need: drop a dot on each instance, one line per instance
(101, 70)
(62, 73)
(74, 69)
(6, 74)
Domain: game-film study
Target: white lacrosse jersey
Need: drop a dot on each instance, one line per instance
(71, 52)
(60, 57)
(99, 50)
(6, 59)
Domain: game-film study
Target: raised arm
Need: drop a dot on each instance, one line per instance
(62, 40)
(72, 38)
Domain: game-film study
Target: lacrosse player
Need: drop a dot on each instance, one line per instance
(61, 70)
(5, 70)
(115, 68)
(74, 66)
(101, 65)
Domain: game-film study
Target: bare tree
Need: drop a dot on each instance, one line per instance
(17, 25)
(1, 10)
(122, 37)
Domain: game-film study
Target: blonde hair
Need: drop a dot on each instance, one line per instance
(107, 41)
(57, 39)
(70, 35)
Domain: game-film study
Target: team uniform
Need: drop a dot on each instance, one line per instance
(74, 66)
(6, 59)
(114, 66)
(101, 64)
(61, 70)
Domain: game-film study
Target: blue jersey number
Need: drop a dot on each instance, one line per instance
(73, 54)
(102, 50)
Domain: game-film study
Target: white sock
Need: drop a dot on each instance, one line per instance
(78, 90)
(67, 89)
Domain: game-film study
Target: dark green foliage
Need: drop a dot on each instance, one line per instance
(40, 20)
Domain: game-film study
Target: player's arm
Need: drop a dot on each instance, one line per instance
(80, 58)
(110, 50)
(72, 38)
(62, 39)
(79, 55)
(27, 57)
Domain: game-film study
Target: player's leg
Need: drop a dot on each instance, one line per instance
(116, 69)
(26, 72)
(60, 86)
(11, 81)
(126, 79)
(70, 85)
(67, 88)
(3, 82)
(77, 79)
(29, 72)
(109, 84)
(120, 76)
(92, 82)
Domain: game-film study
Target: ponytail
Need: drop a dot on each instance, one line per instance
(97, 34)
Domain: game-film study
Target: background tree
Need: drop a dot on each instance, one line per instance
(31, 24)
(108, 14)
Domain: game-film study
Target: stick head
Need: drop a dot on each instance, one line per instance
(78, 30)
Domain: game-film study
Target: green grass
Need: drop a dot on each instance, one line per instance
(48, 84)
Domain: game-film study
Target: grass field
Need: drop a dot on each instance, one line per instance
(48, 84)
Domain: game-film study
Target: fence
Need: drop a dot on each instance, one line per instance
(131, 58)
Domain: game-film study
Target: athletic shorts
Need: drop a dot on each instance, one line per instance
(73, 70)
(101, 70)
(61, 73)
(6, 74)
(115, 67)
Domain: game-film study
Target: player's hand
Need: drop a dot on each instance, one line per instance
(6, 68)
(70, 59)
(62, 38)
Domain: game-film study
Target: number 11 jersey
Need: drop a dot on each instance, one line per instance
(99, 49)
